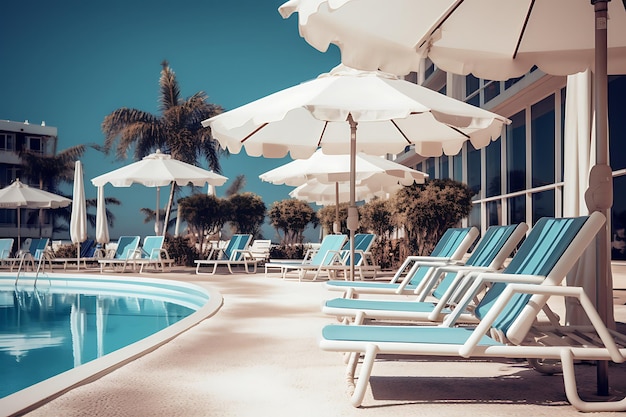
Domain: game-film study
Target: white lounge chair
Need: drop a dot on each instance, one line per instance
(444, 285)
(508, 314)
(327, 254)
(118, 260)
(450, 249)
(234, 254)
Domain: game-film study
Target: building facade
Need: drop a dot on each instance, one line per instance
(14, 137)
(522, 175)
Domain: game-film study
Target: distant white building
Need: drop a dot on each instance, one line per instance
(15, 136)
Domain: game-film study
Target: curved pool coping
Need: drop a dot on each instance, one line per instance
(36, 395)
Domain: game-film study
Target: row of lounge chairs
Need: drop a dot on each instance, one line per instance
(128, 254)
(332, 257)
(479, 308)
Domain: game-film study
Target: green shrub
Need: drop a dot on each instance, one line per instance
(181, 250)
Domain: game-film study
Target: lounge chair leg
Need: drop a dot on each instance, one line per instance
(358, 390)
(569, 380)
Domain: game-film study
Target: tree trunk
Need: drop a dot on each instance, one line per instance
(168, 209)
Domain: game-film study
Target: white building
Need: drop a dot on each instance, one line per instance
(14, 137)
(520, 177)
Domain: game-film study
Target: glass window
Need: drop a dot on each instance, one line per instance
(492, 169)
(444, 163)
(472, 86)
(7, 142)
(543, 205)
(542, 137)
(516, 153)
(617, 121)
(561, 175)
(494, 213)
(517, 209)
(491, 90)
(511, 82)
(429, 165)
(618, 224)
(474, 217)
(457, 167)
(473, 169)
(35, 144)
(430, 68)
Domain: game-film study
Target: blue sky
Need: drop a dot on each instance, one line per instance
(70, 63)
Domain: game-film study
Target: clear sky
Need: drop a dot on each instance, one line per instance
(72, 62)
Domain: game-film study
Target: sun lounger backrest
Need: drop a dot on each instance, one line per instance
(6, 246)
(492, 250)
(87, 248)
(126, 246)
(329, 243)
(237, 244)
(38, 247)
(550, 250)
(362, 243)
(454, 243)
(152, 246)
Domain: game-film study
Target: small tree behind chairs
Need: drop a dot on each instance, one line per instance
(427, 210)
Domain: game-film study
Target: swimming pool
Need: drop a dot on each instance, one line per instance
(79, 328)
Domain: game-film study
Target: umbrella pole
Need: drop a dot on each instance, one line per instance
(337, 228)
(353, 216)
(604, 182)
(19, 231)
(157, 228)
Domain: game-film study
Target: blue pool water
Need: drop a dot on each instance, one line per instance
(64, 322)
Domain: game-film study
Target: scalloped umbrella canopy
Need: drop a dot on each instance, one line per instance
(458, 35)
(322, 194)
(158, 170)
(348, 111)
(336, 168)
(19, 195)
(494, 40)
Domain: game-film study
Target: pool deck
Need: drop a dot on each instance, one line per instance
(258, 356)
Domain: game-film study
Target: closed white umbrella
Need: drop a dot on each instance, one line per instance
(158, 170)
(78, 219)
(19, 195)
(102, 224)
(348, 111)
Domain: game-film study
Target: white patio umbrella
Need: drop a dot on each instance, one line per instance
(78, 219)
(324, 179)
(458, 35)
(102, 223)
(322, 194)
(390, 113)
(158, 170)
(493, 40)
(19, 195)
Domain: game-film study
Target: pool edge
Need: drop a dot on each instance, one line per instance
(35, 396)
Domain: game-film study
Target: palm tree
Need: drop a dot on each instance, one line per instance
(177, 131)
(49, 171)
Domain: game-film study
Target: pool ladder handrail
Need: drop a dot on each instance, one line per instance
(29, 257)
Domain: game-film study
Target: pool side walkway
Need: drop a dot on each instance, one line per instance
(258, 356)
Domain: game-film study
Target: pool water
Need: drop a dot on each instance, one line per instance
(54, 328)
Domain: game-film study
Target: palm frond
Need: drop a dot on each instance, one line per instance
(170, 91)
